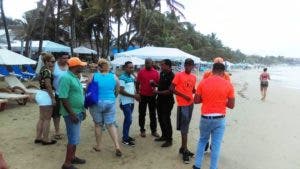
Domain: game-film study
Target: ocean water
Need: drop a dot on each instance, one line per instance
(285, 76)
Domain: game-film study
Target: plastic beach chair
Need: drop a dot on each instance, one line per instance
(22, 74)
(5, 72)
(30, 71)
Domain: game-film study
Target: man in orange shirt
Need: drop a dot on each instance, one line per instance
(209, 72)
(183, 86)
(215, 93)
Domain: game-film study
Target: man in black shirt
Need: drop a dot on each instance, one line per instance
(165, 102)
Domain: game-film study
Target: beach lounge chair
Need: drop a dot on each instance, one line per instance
(30, 71)
(21, 74)
(6, 94)
(16, 85)
(5, 72)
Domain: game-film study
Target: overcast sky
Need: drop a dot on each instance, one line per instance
(263, 27)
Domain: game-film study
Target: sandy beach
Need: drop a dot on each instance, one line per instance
(259, 135)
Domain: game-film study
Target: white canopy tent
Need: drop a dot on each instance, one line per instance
(8, 57)
(48, 46)
(159, 53)
(84, 50)
(121, 61)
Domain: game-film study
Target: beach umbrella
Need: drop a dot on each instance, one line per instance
(8, 57)
(121, 61)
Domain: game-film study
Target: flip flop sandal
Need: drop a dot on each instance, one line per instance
(37, 141)
(97, 150)
(57, 137)
(49, 143)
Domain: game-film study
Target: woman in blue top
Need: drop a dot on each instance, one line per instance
(104, 113)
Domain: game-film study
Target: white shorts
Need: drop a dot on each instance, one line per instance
(43, 99)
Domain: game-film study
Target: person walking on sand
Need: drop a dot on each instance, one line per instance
(45, 99)
(183, 86)
(127, 97)
(3, 164)
(104, 113)
(165, 102)
(60, 68)
(264, 83)
(72, 109)
(146, 78)
(215, 93)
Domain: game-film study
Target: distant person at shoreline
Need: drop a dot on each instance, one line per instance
(264, 83)
(215, 93)
(3, 164)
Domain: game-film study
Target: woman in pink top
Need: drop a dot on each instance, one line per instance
(264, 78)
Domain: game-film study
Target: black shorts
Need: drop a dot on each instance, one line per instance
(264, 84)
(55, 113)
(184, 115)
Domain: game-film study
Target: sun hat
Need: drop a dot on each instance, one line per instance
(75, 61)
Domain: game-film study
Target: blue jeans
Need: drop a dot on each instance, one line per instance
(214, 128)
(73, 129)
(127, 110)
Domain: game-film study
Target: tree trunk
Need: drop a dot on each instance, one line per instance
(96, 40)
(43, 26)
(5, 25)
(26, 52)
(130, 24)
(73, 26)
(59, 5)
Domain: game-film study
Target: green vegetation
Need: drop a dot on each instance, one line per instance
(90, 22)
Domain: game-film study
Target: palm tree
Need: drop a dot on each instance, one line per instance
(5, 25)
(45, 16)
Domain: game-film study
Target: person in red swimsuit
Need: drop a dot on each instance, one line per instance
(264, 83)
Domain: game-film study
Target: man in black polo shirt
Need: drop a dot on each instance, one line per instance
(165, 102)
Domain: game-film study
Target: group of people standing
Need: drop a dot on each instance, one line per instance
(62, 91)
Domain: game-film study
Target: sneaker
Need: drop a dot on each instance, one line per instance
(155, 134)
(129, 143)
(160, 139)
(118, 153)
(49, 143)
(194, 167)
(131, 139)
(143, 134)
(181, 150)
(186, 157)
(167, 144)
(77, 160)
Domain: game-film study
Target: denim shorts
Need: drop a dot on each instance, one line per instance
(104, 113)
(184, 115)
(73, 129)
